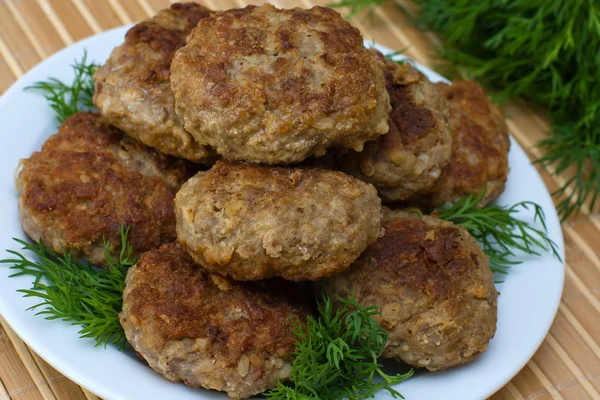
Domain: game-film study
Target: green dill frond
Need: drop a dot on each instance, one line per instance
(74, 291)
(546, 52)
(578, 149)
(498, 230)
(336, 355)
(68, 99)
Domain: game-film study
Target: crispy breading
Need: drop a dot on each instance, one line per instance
(207, 330)
(133, 89)
(253, 222)
(410, 157)
(88, 180)
(276, 86)
(433, 286)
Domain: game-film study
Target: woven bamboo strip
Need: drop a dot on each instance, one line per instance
(87, 16)
(527, 383)
(120, 11)
(6, 76)
(89, 395)
(16, 42)
(61, 386)
(583, 246)
(589, 294)
(211, 4)
(514, 392)
(544, 380)
(160, 4)
(56, 22)
(548, 360)
(570, 364)
(581, 331)
(28, 362)
(36, 21)
(66, 11)
(15, 377)
(10, 60)
(588, 230)
(577, 350)
(147, 7)
(35, 43)
(104, 14)
(3, 393)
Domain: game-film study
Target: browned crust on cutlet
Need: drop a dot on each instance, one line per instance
(412, 121)
(133, 89)
(88, 180)
(433, 286)
(480, 148)
(253, 222)
(186, 301)
(276, 86)
(410, 157)
(421, 253)
(208, 330)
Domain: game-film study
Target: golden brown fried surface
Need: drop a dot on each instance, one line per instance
(433, 286)
(276, 86)
(133, 89)
(207, 330)
(253, 222)
(411, 156)
(479, 150)
(90, 178)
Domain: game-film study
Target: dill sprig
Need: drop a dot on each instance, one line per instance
(574, 148)
(543, 50)
(72, 290)
(499, 232)
(336, 356)
(68, 99)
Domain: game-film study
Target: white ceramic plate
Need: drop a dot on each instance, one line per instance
(529, 295)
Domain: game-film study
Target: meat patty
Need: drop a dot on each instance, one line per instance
(276, 86)
(479, 150)
(207, 330)
(411, 156)
(253, 222)
(88, 180)
(433, 286)
(133, 89)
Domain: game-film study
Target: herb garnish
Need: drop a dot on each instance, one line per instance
(72, 290)
(498, 231)
(336, 356)
(547, 52)
(66, 99)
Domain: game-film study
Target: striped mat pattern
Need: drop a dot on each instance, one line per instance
(567, 366)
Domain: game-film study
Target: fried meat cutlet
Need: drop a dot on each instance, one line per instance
(133, 89)
(277, 86)
(253, 222)
(207, 330)
(432, 283)
(88, 180)
(411, 156)
(480, 147)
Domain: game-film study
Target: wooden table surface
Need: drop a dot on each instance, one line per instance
(567, 365)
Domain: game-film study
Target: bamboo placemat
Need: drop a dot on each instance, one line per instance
(567, 365)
